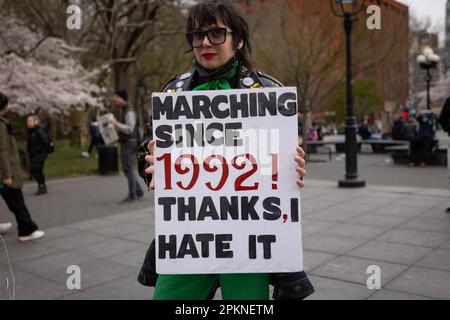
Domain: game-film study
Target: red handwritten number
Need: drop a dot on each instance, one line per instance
(240, 180)
(167, 157)
(180, 170)
(213, 168)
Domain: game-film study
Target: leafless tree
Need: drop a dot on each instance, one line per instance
(302, 43)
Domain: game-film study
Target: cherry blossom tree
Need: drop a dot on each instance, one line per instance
(42, 73)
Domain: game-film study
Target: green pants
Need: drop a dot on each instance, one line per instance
(248, 286)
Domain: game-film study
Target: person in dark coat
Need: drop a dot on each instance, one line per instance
(422, 145)
(444, 121)
(37, 146)
(11, 182)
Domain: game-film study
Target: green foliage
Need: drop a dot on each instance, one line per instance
(366, 100)
(67, 161)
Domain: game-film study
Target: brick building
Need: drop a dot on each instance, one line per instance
(381, 55)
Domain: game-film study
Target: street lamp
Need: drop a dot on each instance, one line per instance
(428, 60)
(349, 14)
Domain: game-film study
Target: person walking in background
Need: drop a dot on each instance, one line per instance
(444, 121)
(128, 133)
(37, 146)
(11, 178)
(96, 139)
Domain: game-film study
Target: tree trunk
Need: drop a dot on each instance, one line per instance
(120, 76)
(53, 124)
(138, 106)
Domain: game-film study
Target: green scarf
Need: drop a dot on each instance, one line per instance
(217, 83)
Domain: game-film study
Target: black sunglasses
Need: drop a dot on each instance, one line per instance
(216, 36)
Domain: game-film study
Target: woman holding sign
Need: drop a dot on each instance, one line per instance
(219, 37)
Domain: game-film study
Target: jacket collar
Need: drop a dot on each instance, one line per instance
(183, 82)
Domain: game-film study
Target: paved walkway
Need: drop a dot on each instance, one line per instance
(402, 230)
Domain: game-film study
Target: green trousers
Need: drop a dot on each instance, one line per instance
(248, 286)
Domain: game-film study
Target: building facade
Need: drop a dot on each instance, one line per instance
(378, 54)
(447, 39)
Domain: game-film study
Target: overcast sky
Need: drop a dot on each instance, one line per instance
(429, 9)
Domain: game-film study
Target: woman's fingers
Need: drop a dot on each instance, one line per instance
(150, 170)
(151, 146)
(301, 171)
(152, 184)
(150, 159)
(300, 161)
(300, 166)
(301, 152)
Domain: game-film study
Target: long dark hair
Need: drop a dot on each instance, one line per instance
(208, 12)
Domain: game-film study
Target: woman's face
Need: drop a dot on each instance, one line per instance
(211, 56)
(30, 122)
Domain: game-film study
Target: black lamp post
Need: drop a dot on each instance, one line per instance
(428, 60)
(351, 148)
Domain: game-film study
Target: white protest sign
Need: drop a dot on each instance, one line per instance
(226, 199)
(107, 129)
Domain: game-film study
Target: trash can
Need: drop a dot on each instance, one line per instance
(107, 160)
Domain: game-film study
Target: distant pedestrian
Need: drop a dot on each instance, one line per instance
(312, 135)
(422, 145)
(128, 133)
(364, 130)
(444, 120)
(11, 177)
(405, 129)
(37, 147)
(96, 139)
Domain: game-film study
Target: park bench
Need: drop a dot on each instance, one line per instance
(380, 145)
(339, 146)
(400, 154)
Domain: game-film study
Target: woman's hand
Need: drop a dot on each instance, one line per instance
(151, 161)
(300, 159)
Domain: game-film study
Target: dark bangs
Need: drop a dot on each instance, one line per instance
(209, 12)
